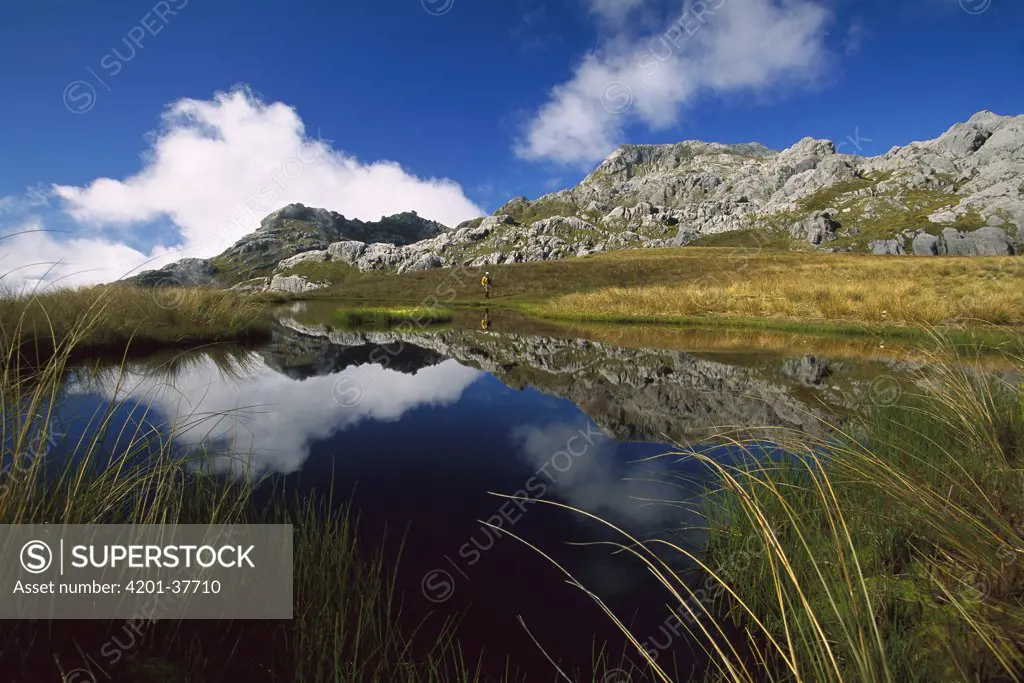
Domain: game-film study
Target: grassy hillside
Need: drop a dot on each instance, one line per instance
(717, 284)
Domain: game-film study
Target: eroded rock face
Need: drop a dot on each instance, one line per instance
(816, 228)
(306, 257)
(293, 284)
(927, 245)
(982, 242)
(348, 251)
(297, 229)
(893, 247)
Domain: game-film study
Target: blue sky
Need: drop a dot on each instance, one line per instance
(473, 101)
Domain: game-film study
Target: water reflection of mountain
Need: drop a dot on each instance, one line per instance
(634, 394)
(303, 355)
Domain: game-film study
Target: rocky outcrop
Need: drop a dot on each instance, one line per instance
(293, 284)
(295, 230)
(190, 272)
(893, 247)
(927, 245)
(952, 242)
(305, 257)
(959, 194)
(817, 228)
(981, 242)
(695, 189)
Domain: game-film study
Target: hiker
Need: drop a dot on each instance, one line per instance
(485, 281)
(485, 324)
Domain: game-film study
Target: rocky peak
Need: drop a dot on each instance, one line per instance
(323, 218)
(961, 193)
(632, 160)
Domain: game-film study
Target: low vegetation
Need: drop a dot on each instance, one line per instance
(812, 289)
(892, 552)
(910, 212)
(721, 286)
(116, 318)
(868, 212)
(528, 214)
(901, 556)
(990, 350)
(773, 238)
(829, 196)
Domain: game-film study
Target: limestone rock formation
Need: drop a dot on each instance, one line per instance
(292, 284)
(189, 272)
(960, 194)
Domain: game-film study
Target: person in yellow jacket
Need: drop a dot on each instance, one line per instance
(485, 282)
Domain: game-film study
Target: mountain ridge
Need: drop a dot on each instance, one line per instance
(961, 193)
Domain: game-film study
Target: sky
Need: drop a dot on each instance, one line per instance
(137, 132)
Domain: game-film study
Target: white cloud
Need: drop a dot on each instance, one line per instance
(37, 258)
(214, 170)
(589, 472)
(33, 198)
(614, 10)
(275, 436)
(710, 46)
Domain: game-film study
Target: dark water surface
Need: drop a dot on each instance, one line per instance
(420, 428)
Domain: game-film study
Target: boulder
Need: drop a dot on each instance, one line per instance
(379, 256)
(347, 252)
(293, 284)
(892, 247)
(944, 216)
(549, 225)
(305, 257)
(927, 245)
(817, 228)
(424, 262)
(982, 242)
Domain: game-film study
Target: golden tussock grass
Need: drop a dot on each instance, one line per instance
(114, 316)
(892, 551)
(817, 287)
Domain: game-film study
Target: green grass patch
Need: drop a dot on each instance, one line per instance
(472, 223)
(335, 272)
(540, 209)
(752, 238)
(916, 206)
(828, 197)
(891, 553)
(230, 272)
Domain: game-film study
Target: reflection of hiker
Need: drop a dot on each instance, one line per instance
(485, 324)
(485, 281)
